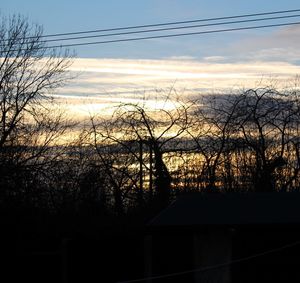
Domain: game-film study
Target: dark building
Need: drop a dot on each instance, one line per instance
(234, 237)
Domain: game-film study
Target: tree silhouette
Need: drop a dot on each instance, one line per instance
(145, 136)
(29, 125)
(249, 140)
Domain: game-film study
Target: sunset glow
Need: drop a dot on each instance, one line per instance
(150, 141)
(103, 83)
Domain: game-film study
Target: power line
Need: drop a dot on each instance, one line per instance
(167, 23)
(157, 36)
(217, 266)
(172, 28)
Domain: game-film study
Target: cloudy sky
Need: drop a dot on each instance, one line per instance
(191, 64)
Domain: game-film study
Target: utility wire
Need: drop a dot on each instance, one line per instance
(156, 37)
(217, 266)
(168, 23)
(168, 29)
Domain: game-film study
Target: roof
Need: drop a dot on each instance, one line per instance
(231, 209)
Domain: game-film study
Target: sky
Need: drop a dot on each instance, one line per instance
(191, 64)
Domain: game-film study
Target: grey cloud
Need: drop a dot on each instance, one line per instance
(281, 45)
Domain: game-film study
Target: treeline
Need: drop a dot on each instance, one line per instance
(241, 142)
(143, 157)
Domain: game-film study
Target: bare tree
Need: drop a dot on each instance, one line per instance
(29, 73)
(249, 140)
(211, 135)
(143, 136)
(268, 121)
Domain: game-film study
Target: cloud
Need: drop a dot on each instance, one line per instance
(126, 75)
(280, 45)
(183, 57)
(109, 81)
(215, 58)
